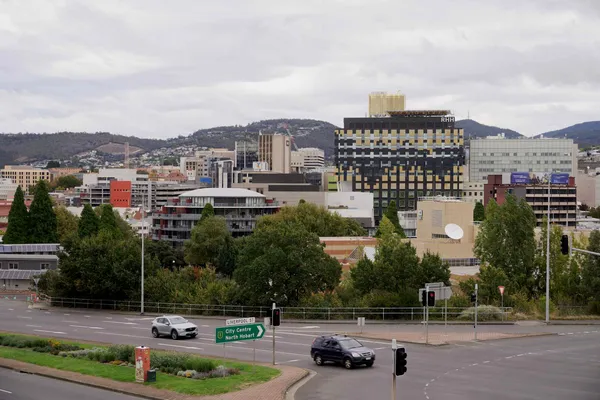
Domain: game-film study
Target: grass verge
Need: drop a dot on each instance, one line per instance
(249, 375)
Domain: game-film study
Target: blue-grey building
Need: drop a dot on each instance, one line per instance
(19, 263)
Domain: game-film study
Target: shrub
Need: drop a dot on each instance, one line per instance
(172, 363)
(123, 352)
(594, 308)
(484, 313)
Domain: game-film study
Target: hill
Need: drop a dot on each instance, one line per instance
(584, 134)
(306, 133)
(474, 129)
(29, 147)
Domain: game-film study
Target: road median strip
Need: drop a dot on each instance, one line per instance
(118, 375)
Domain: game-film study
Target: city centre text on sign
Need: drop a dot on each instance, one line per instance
(239, 333)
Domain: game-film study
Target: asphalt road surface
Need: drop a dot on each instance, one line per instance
(565, 365)
(19, 386)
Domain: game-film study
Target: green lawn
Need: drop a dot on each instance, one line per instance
(248, 374)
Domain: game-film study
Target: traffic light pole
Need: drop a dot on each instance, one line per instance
(394, 347)
(427, 315)
(593, 253)
(273, 333)
(476, 301)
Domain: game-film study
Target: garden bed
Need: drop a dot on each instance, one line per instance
(178, 372)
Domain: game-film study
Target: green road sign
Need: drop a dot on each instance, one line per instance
(236, 333)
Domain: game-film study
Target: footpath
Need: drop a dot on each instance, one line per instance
(442, 338)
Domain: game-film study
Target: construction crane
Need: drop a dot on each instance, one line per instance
(286, 127)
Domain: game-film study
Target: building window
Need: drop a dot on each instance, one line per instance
(44, 266)
(13, 265)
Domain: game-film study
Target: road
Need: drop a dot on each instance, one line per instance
(565, 365)
(19, 386)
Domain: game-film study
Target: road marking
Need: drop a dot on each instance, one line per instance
(486, 362)
(117, 322)
(5, 391)
(34, 326)
(289, 361)
(509, 357)
(70, 322)
(521, 355)
(11, 309)
(473, 365)
(309, 327)
(87, 316)
(561, 334)
(271, 336)
(570, 333)
(87, 327)
(20, 316)
(586, 332)
(206, 326)
(122, 334)
(427, 384)
(182, 347)
(108, 317)
(58, 333)
(47, 312)
(67, 315)
(380, 348)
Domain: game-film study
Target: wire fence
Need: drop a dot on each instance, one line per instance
(290, 313)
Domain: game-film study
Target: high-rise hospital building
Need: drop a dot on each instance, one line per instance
(403, 156)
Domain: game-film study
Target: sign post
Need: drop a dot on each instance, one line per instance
(501, 289)
(394, 347)
(273, 333)
(427, 317)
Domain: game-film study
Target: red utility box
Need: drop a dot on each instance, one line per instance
(142, 363)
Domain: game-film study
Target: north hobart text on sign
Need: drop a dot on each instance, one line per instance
(237, 333)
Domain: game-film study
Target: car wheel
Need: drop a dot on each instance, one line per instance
(318, 360)
(369, 364)
(348, 363)
(174, 335)
(154, 332)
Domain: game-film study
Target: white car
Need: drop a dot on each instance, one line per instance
(173, 326)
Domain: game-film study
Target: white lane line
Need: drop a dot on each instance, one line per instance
(486, 362)
(380, 348)
(117, 322)
(58, 333)
(47, 312)
(70, 322)
(570, 333)
(206, 326)
(108, 317)
(271, 337)
(87, 327)
(11, 309)
(427, 384)
(561, 334)
(87, 316)
(67, 315)
(586, 332)
(34, 326)
(5, 391)
(310, 327)
(521, 355)
(474, 365)
(181, 347)
(20, 316)
(122, 334)
(289, 361)
(28, 310)
(509, 357)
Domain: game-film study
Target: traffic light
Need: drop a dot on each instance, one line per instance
(564, 244)
(431, 298)
(473, 297)
(424, 298)
(400, 361)
(276, 317)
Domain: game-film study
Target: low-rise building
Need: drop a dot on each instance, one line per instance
(19, 263)
(240, 208)
(7, 189)
(308, 158)
(534, 189)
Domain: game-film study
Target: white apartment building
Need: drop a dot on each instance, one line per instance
(498, 155)
(7, 189)
(307, 158)
(472, 192)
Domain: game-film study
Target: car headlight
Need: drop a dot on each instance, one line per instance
(355, 355)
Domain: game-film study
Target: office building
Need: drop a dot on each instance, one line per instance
(198, 168)
(473, 192)
(402, 157)
(246, 154)
(534, 189)
(7, 189)
(498, 155)
(25, 176)
(275, 150)
(381, 103)
(306, 159)
(240, 208)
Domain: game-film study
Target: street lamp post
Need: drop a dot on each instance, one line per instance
(548, 255)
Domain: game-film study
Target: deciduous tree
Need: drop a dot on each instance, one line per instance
(210, 242)
(284, 262)
(478, 212)
(66, 223)
(17, 231)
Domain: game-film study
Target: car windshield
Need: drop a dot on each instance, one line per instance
(177, 320)
(350, 344)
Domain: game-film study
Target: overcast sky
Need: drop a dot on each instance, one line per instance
(156, 68)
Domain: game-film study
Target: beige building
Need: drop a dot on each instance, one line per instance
(25, 176)
(307, 158)
(380, 103)
(472, 192)
(588, 188)
(276, 151)
(56, 173)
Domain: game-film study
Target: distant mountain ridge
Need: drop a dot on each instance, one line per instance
(584, 134)
(30, 147)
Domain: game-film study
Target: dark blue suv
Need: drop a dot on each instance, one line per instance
(341, 349)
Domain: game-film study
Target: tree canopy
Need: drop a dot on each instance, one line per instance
(67, 223)
(284, 262)
(210, 242)
(478, 212)
(89, 223)
(315, 219)
(66, 182)
(391, 213)
(17, 231)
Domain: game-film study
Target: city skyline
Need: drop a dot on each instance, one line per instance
(144, 69)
